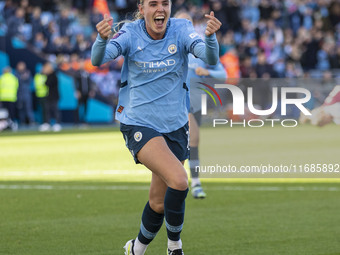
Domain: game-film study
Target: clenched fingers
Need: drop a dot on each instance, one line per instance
(104, 27)
(213, 24)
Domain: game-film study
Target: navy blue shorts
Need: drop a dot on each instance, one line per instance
(137, 136)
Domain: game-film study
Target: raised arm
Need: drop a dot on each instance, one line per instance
(209, 50)
(103, 49)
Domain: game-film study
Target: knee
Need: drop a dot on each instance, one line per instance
(157, 205)
(179, 182)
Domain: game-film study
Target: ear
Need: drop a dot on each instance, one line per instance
(141, 9)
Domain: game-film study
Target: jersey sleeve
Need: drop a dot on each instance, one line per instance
(207, 50)
(190, 37)
(106, 50)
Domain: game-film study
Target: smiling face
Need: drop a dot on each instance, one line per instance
(156, 15)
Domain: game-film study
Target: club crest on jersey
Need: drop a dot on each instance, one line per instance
(172, 49)
(138, 136)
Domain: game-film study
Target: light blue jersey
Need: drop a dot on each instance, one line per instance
(153, 92)
(194, 95)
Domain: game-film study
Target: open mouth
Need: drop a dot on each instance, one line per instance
(159, 20)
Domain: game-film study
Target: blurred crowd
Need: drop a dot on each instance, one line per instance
(261, 38)
(258, 38)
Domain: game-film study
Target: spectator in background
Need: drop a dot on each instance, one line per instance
(52, 38)
(335, 58)
(37, 26)
(334, 14)
(82, 47)
(231, 64)
(311, 45)
(246, 67)
(84, 90)
(323, 61)
(233, 13)
(266, 9)
(24, 4)
(49, 5)
(64, 23)
(8, 10)
(220, 13)
(227, 43)
(39, 41)
(179, 5)
(247, 31)
(74, 64)
(41, 92)
(66, 46)
(262, 68)
(15, 23)
(81, 5)
(24, 103)
(95, 18)
(250, 12)
(51, 100)
(265, 71)
(293, 70)
(8, 94)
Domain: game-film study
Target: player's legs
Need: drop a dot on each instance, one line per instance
(157, 157)
(168, 190)
(157, 193)
(168, 186)
(196, 191)
(153, 215)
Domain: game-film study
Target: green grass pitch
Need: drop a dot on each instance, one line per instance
(80, 193)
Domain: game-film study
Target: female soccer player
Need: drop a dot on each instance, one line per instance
(152, 107)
